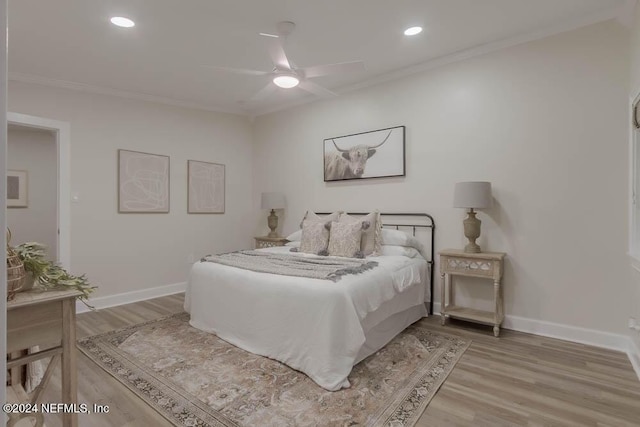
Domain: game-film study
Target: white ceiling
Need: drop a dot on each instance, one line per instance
(72, 43)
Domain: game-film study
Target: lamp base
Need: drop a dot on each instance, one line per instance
(472, 248)
(272, 222)
(472, 232)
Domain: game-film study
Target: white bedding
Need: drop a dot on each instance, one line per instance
(315, 326)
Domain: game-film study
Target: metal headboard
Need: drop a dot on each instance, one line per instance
(427, 223)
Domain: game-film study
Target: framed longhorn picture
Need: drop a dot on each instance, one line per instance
(374, 154)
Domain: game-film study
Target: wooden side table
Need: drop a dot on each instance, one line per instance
(42, 318)
(269, 242)
(487, 265)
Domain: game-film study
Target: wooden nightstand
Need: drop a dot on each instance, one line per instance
(487, 265)
(269, 242)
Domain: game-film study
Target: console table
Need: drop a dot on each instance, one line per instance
(45, 319)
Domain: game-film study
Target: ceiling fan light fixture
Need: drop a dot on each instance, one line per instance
(123, 22)
(286, 81)
(412, 31)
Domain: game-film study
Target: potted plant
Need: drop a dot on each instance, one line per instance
(48, 275)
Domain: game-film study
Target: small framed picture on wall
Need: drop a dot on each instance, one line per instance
(17, 186)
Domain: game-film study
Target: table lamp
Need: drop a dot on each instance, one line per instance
(273, 201)
(472, 195)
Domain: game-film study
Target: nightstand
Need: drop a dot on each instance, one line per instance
(486, 265)
(269, 242)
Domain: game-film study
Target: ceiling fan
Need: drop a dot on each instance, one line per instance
(286, 75)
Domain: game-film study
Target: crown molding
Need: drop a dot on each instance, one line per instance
(101, 90)
(565, 26)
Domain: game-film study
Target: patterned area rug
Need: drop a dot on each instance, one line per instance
(193, 378)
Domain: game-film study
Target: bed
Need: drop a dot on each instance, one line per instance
(319, 327)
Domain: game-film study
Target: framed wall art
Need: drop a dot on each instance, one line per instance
(17, 189)
(375, 154)
(205, 187)
(143, 182)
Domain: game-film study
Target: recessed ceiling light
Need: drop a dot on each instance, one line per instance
(121, 21)
(412, 31)
(286, 81)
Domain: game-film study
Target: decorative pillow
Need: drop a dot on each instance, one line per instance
(315, 237)
(371, 236)
(296, 236)
(400, 238)
(344, 239)
(311, 216)
(391, 250)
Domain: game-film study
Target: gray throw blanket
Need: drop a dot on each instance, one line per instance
(291, 265)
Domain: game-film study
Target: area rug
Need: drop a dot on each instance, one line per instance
(193, 378)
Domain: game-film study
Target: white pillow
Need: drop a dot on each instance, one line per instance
(315, 237)
(312, 216)
(393, 250)
(345, 238)
(371, 235)
(296, 236)
(400, 238)
(294, 244)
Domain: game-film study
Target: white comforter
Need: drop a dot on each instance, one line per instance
(311, 325)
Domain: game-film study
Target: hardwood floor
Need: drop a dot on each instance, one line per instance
(515, 380)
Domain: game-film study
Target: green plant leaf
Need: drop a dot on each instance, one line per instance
(50, 276)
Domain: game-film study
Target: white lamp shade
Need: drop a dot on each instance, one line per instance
(476, 195)
(273, 201)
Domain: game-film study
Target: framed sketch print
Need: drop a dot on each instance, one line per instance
(143, 182)
(17, 196)
(205, 187)
(375, 154)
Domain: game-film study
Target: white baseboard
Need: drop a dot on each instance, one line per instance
(129, 297)
(566, 332)
(436, 309)
(634, 355)
(576, 334)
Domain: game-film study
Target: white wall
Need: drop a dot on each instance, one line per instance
(635, 51)
(35, 151)
(130, 252)
(545, 122)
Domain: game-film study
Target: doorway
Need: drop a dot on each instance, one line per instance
(25, 127)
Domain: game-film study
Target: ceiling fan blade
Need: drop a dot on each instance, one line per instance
(342, 67)
(238, 70)
(278, 56)
(317, 89)
(263, 93)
